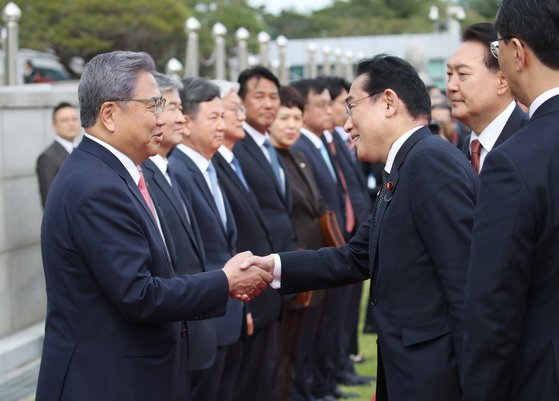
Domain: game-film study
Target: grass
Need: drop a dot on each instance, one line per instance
(367, 348)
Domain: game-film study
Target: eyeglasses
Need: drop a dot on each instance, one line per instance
(238, 110)
(349, 106)
(494, 47)
(158, 103)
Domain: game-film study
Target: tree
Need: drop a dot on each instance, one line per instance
(88, 27)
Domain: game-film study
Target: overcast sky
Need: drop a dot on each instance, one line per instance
(275, 6)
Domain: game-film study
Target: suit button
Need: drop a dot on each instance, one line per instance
(374, 302)
(184, 333)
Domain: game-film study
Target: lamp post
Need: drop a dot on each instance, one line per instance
(11, 16)
(219, 31)
(281, 42)
(326, 67)
(311, 51)
(242, 36)
(338, 62)
(173, 68)
(191, 28)
(264, 41)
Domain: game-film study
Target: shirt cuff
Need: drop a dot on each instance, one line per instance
(276, 282)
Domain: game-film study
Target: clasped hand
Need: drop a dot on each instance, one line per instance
(248, 275)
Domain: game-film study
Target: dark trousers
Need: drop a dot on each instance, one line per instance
(218, 381)
(259, 365)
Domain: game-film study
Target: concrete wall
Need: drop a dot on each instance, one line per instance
(25, 130)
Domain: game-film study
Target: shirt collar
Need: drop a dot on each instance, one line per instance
(258, 137)
(161, 163)
(201, 162)
(342, 133)
(125, 160)
(396, 147)
(226, 153)
(541, 99)
(491, 133)
(316, 141)
(328, 136)
(69, 146)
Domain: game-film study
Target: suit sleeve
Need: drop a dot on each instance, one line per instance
(327, 267)
(46, 172)
(110, 233)
(503, 250)
(443, 203)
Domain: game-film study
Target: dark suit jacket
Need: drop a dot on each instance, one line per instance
(252, 235)
(114, 303)
(219, 242)
(517, 120)
(511, 339)
(187, 255)
(274, 205)
(48, 164)
(417, 259)
(331, 190)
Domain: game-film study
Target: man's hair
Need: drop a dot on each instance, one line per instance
(389, 72)
(484, 33)
(257, 72)
(225, 87)
(534, 22)
(109, 76)
(59, 106)
(306, 86)
(335, 85)
(194, 92)
(166, 83)
(290, 97)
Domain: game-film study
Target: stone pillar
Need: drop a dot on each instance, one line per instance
(281, 42)
(311, 50)
(264, 42)
(11, 16)
(219, 31)
(192, 63)
(242, 36)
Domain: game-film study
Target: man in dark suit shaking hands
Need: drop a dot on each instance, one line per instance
(511, 322)
(414, 246)
(115, 307)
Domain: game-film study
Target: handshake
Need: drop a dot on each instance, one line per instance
(248, 275)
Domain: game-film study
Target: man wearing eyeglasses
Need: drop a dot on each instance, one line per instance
(480, 95)
(414, 246)
(114, 326)
(510, 315)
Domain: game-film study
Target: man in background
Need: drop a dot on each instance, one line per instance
(66, 126)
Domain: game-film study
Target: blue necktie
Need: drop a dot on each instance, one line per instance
(239, 172)
(275, 163)
(218, 197)
(326, 158)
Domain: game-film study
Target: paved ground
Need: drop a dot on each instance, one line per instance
(20, 384)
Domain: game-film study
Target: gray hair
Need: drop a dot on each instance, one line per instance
(166, 83)
(194, 92)
(226, 87)
(109, 76)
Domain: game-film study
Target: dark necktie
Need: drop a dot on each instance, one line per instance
(381, 194)
(275, 163)
(475, 153)
(349, 214)
(239, 172)
(175, 187)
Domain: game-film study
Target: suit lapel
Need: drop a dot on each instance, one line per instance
(393, 179)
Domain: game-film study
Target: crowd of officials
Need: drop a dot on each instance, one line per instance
(153, 225)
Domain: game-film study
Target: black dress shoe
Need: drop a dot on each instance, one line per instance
(353, 379)
(338, 393)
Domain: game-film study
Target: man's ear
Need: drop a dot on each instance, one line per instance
(520, 54)
(187, 123)
(502, 84)
(392, 102)
(108, 115)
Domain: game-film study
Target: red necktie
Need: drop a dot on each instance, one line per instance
(144, 191)
(349, 215)
(475, 152)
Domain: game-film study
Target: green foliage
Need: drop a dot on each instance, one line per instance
(486, 8)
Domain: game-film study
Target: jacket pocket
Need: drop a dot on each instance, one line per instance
(425, 331)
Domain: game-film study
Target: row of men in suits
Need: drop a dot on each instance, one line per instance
(119, 304)
(463, 268)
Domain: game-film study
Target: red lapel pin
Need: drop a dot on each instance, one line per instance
(389, 185)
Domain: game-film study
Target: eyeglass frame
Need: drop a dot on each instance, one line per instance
(158, 102)
(238, 110)
(351, 105)
(494, 46)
